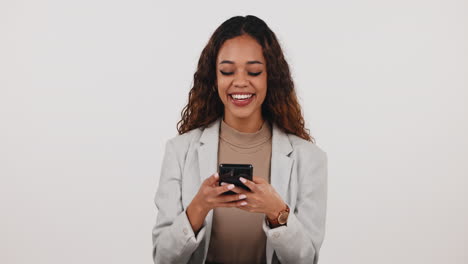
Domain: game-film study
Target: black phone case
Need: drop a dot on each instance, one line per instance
(230, 173)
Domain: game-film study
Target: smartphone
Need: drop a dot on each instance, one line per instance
(230, 173)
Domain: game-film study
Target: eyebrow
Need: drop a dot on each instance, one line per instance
(249, 62)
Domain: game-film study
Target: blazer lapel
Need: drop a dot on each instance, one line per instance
(281, 163)
(208, 163)
(280, 171)
(280, 167)
(208, 150)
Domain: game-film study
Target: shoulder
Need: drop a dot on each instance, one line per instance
(304, 149)
(178, 147)
(311, 161)
(184, 141)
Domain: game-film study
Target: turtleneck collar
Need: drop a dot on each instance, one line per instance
(243, 139)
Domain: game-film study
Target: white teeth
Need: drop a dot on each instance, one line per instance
(241, 96)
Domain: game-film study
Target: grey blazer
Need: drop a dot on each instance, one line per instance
(298, 174)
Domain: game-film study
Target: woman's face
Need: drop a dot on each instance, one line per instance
(241, 78)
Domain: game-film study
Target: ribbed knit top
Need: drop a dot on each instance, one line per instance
(237, 235)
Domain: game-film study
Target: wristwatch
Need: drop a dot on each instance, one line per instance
(281, 219)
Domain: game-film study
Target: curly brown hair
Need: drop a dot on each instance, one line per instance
(280, 105)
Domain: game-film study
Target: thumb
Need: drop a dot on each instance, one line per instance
(212, 179)
(257, 179)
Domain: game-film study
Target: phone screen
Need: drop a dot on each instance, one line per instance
(230, 173)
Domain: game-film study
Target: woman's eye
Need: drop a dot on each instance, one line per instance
(226, 73)
(250, 73)
(254, 73)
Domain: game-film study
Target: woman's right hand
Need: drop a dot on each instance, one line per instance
(210, 195)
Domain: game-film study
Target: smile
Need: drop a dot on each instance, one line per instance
(239, 99)
(241, 96)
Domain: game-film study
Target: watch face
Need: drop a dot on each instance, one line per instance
(283, 218)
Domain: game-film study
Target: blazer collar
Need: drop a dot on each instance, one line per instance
(210, 136)
(280, 166)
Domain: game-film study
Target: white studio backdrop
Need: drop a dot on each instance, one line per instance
(91, 90)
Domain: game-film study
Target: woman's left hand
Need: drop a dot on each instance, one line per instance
(263, 198)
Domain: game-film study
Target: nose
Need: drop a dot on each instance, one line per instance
(240, 80)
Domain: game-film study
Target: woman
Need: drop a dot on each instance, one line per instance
(242, 108)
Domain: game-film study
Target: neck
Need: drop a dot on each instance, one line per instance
(246, 125)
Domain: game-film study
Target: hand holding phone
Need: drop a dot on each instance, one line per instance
(230, 173)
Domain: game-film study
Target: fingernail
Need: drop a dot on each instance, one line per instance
(243, 203)
(242, 196)
(242, 180)
(216, 175)
(231, 186)
(223, 183)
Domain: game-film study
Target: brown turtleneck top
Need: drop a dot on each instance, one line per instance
(237, 235)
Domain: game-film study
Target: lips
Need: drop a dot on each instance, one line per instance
(241, 99)
(240, 95)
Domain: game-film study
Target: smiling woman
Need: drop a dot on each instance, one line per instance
(247, 51)
(242, 82)
(242, 110)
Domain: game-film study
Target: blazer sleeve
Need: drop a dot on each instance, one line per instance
(300, 240)
(173, 238)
